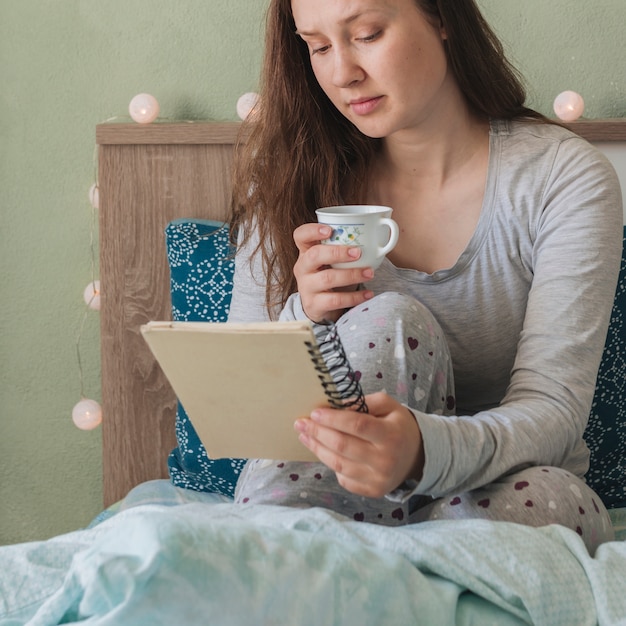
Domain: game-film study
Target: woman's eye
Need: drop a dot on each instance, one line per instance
(319, 50)
(372, 37)
(322, 49)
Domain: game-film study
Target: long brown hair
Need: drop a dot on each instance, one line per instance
(301, 153)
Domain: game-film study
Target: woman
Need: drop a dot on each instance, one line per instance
(478, 340)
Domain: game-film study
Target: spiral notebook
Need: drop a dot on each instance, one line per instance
(244, 385)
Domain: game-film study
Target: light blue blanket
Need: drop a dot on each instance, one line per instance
(222, 563)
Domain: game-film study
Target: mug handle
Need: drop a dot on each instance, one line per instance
(393, 236)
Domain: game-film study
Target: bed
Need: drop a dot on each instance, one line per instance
(159, 554)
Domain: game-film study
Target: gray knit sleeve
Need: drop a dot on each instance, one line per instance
(248, 299)
(576, 249)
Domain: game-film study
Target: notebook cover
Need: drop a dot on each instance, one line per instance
(242, 385)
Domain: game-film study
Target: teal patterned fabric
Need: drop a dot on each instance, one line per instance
(201, 278)
(201, 270)
(201, 283)
(606, 431)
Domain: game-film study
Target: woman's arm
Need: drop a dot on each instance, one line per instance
(577, 243)
(248, 299)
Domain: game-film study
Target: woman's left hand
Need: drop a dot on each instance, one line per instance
(371, 453)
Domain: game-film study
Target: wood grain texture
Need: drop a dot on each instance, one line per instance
(600, 130)
(148, 176)
(173, 133)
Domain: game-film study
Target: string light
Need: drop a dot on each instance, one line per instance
(144, 108)
(569, 106)
(246, 104)
(87, 413)
(91, 295)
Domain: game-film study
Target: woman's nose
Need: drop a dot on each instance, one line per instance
(346, 70)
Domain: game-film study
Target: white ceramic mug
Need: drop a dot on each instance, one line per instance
(366, 226)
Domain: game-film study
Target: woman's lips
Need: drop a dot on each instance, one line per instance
(364, 106)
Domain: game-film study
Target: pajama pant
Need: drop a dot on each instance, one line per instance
(395, 345)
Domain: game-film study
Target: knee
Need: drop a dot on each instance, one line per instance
(399, 307)
(409, 318)
(393, 318)
(396, 330)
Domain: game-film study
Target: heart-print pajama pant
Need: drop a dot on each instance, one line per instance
(394, 344)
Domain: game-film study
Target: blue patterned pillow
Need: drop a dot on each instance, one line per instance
(201, 279)
(606, 431)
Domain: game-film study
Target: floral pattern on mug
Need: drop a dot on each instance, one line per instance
(346, 235)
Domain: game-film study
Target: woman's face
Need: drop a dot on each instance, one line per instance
(381, 62)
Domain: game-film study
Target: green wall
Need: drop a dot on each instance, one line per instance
(67, 65)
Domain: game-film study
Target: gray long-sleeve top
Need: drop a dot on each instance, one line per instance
(525, 309)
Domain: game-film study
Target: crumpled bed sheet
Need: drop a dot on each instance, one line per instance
(214, 562)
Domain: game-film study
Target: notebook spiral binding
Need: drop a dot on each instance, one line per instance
(332, 364)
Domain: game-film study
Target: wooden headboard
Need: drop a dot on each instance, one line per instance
(148, 176)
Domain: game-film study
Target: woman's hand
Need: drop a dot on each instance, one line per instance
(371, 453)
(325, 292)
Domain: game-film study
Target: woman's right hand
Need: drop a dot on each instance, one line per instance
(326, 292)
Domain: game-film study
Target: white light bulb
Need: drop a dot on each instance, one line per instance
(144, 108)
(87, 414)
(246, 104)
(94, 196)
(91, 295)
(569, 106)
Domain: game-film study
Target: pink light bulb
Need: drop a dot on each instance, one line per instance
(91, 295)
(569, 106)
(144, 108)
(87, 414)
(246, 104)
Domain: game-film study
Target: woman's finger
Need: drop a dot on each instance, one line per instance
(368, 426)
(309, 235)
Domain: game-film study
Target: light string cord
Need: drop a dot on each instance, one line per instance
(92, 251)
(81, 377)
